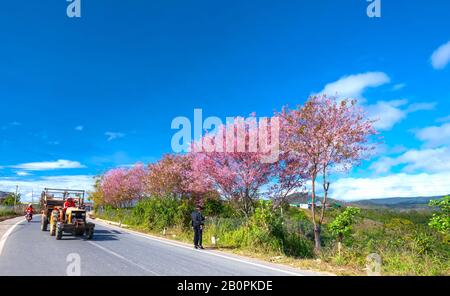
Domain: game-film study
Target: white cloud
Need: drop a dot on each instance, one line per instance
(398, 86)
(421, 107)
(443, 119)
(434, 136)
(441, 56)
(383, 165)
(396, 185)
(81, 182)
(388, 113)
(49, 165)
(113, 135)
(425, 160)
(353, 86)
(22, 173)
(397, 149)
(79, 128)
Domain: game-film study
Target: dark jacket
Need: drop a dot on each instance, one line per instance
(197, 219)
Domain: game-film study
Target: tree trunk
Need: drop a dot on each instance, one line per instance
(326, 187)
(317, 241)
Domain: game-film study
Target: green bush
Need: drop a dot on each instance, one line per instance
(407, 245)
(266, 229)
(214, 208)
(152, 213)
(406, 248)
(441, 220)
(160, 213)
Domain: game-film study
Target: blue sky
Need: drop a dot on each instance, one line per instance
(80, 96)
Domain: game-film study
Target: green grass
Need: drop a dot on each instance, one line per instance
(404, 241)
(6, 213)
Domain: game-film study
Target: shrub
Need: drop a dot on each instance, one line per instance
(441, 220)
(160, 213)
(215, 207)
(406, 246)
(342, 225)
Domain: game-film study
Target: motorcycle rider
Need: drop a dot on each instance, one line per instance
(30, 210)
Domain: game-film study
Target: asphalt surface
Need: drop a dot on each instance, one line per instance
(28, 251)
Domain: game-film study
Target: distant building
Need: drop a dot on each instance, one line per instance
(307, 206)
(304, 201)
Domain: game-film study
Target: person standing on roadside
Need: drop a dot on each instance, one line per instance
(198, 222)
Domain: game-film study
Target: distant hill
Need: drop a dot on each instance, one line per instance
(303, 198)
(397, 202)
(4, 194)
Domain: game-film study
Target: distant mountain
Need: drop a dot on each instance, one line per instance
(303, 198)
(4, 194)
(397, 202)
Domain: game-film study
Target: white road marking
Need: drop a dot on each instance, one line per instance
(123, 258)
(208, 252)
(6, 235)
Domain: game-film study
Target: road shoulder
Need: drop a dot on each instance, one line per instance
(6, 227)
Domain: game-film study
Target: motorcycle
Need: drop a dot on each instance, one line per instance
(29, 217)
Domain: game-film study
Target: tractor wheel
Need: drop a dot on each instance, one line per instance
(89, 233)
(52, 230)
(59, 233)
(44, 223)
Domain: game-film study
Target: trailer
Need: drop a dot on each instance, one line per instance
(70, 220)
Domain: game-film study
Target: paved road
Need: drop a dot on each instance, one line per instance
(115, 251)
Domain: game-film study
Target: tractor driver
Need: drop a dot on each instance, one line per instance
(70, 203)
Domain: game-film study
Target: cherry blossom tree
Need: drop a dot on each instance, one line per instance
(173, 176)
(121, 186)
(234, 161)
(166, 176)
(326, 134)
(290, 173)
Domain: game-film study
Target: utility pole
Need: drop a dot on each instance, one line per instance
(32, 196)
